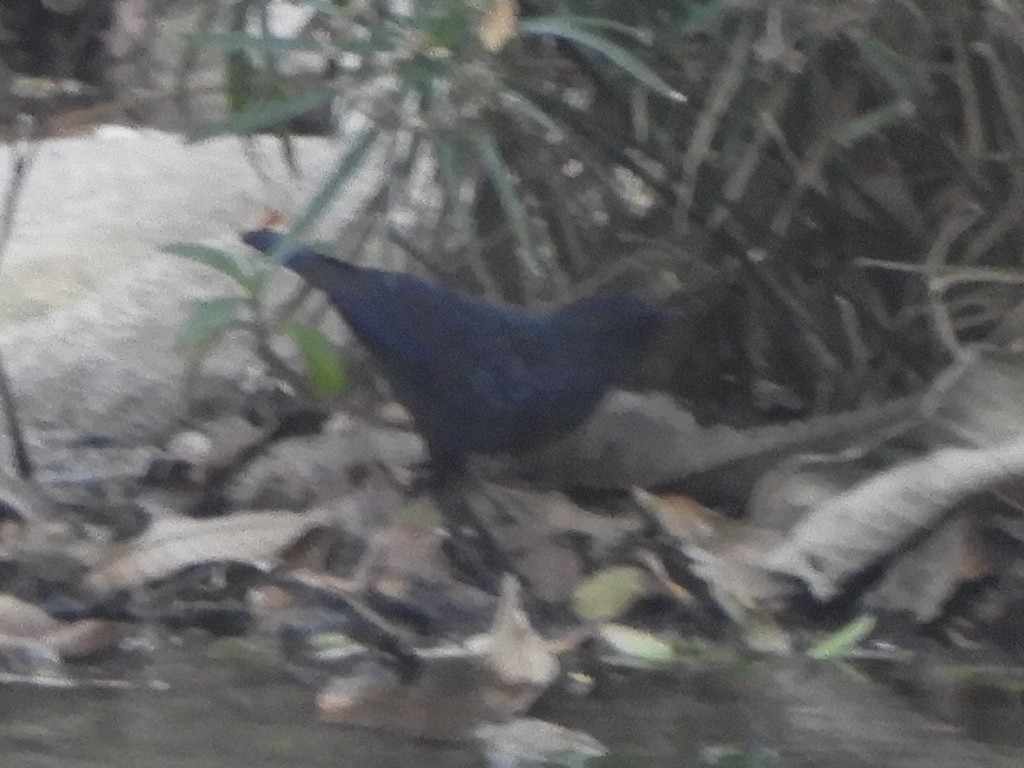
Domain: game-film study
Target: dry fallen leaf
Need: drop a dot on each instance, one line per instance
(36, 634)
(518, 656)
(528, 741)
(220, 444)
(552, 570)
(691, 524)
(726, 554)
(20, 619)
(444, 702)
(88, 637)
(855, 529)
(518, 521)
(922, 580)
(175, 543)
(456, 689)
(405, 550)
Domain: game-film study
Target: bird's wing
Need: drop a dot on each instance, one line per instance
(400, 316)
(475, 375)
(408, 321)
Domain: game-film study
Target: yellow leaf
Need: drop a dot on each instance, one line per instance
(611, 592)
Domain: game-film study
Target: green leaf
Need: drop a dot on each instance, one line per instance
(239, 71)
(240, 74)
(243, 41)
(209, 320)
(350, 161)
(517, 102)
(321, 359)
(513, 208)
(446, 25)
(265, 115)
(215, 259)
(839, 644)
(610, 592)
(596, 22)
(626, 61)
(637, 647)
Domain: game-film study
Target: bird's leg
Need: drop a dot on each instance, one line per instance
(472, 549)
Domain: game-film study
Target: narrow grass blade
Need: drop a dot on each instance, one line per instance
(215, 259)
(265, 115)
(515, 212)
(841, 643)
(626, 61)
(350, 162)
(449, 166)
(896, 69)
(517, 102)
(594, 22)
(874, 122)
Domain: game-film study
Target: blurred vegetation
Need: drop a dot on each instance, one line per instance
(828, 192)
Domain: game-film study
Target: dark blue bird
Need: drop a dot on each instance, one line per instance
(478, 377)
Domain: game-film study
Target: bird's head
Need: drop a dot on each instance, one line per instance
(304, 259)
(263, 240)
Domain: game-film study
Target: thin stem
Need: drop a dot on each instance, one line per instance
(21, 161)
